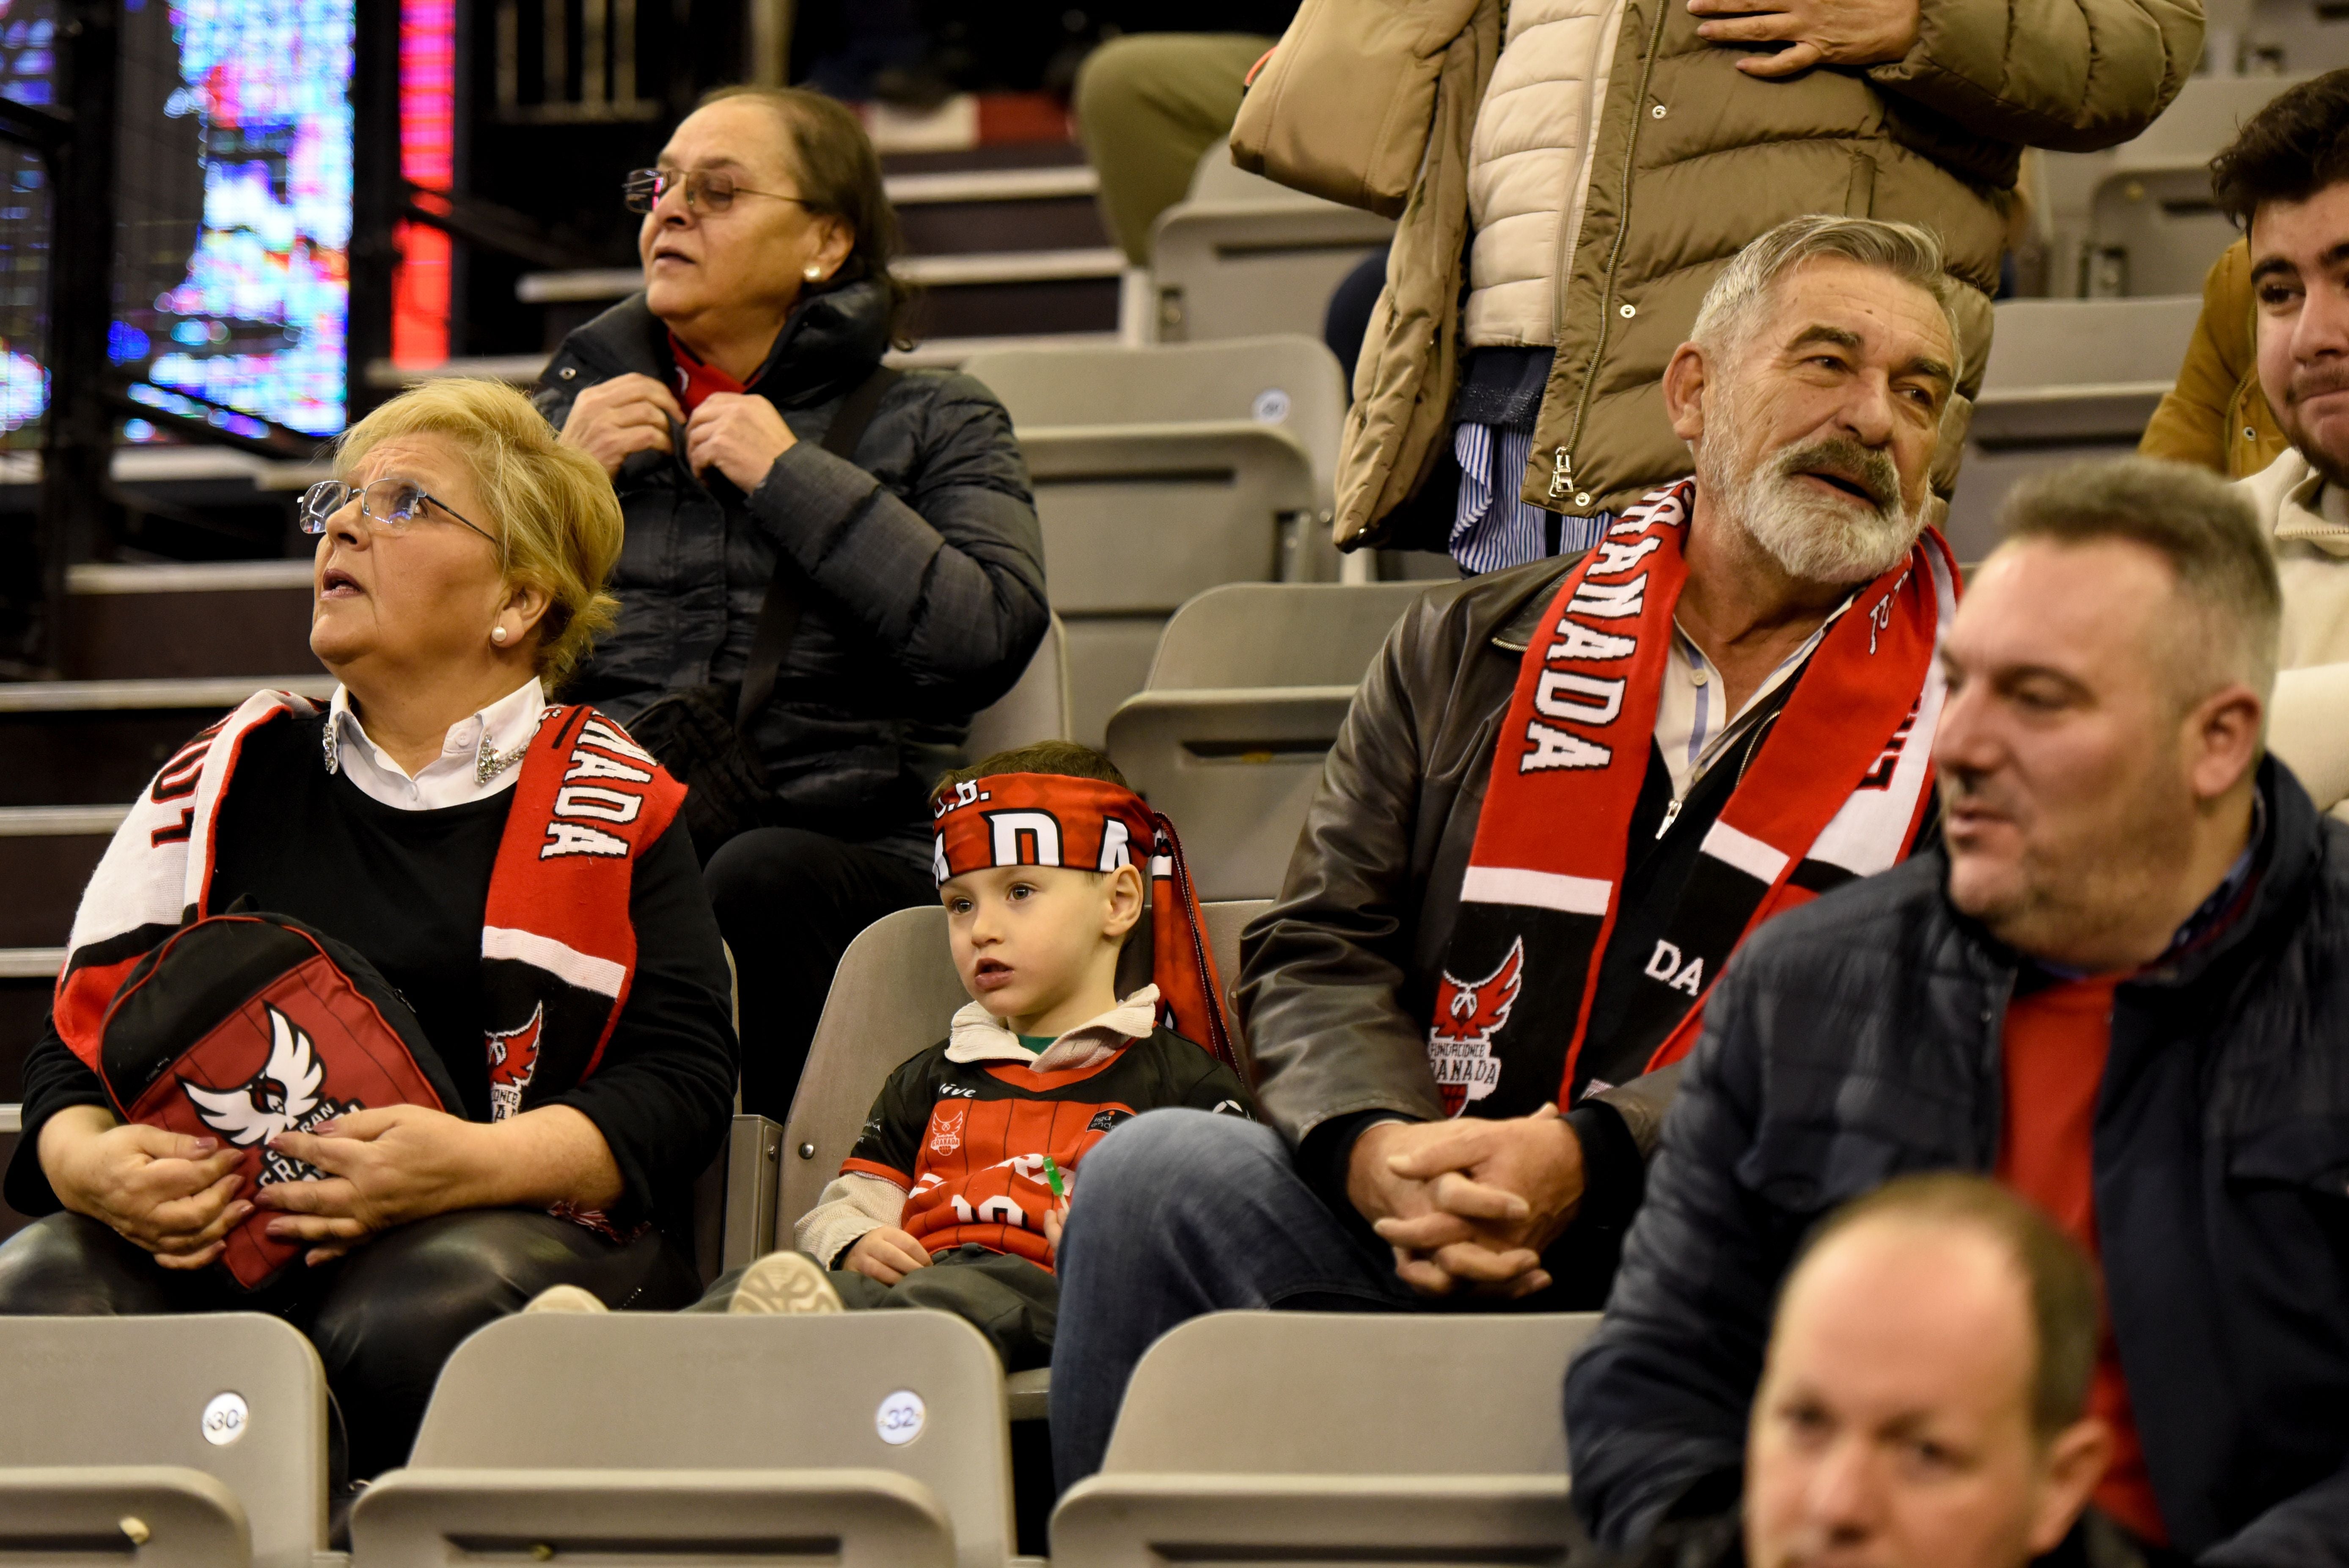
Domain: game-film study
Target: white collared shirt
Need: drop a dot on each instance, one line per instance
(490, 742)
(1691, 729)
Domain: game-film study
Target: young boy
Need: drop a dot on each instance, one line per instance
(948, 1200)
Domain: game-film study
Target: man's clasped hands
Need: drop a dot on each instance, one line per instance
(1469, 1204)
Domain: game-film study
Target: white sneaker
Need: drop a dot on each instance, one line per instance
(566, 1298)
(784, 1282)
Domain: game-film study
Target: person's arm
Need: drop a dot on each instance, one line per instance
(1322, 971)
(2073, 76)
(2309, 1527)
(2193, 423)
(54, 1079)
(1656, 1406)
(664, 1093)
(851, 1205)
(950, 580)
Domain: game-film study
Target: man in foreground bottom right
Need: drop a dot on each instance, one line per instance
(2121, 987)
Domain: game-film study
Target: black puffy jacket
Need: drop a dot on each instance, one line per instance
(923, 558)
(1858, 1038)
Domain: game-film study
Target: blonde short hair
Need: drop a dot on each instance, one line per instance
(551, 506)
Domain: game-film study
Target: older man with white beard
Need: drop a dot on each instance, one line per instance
(1565, 793)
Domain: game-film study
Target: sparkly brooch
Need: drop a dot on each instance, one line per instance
(488, 765)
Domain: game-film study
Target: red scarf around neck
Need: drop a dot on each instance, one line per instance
(1835, 790)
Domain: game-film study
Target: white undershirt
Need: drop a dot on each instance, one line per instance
(490, 741)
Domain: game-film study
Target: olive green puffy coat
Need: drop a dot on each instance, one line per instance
(1372, 103)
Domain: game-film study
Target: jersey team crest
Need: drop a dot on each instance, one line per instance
(1467, 1015)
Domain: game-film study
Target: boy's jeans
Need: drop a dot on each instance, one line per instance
(1007, 1298)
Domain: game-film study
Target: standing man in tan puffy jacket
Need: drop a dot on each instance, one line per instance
(1570, 175)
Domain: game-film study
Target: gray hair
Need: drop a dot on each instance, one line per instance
(2197, 522)
(1734, 305)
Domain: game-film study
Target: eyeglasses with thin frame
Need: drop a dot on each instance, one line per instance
(705, 190)
(393, 503)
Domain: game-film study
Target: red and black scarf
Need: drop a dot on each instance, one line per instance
(1092, 824)
(1835, 790)
(558, 951)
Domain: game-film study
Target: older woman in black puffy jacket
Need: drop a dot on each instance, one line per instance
(914, 563)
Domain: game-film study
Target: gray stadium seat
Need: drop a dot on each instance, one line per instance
(1287, 380)
(1235, 769)
(892, 995)
(629, 1437)
(1037, 709)
(1242, 256)
(1376, 1437)
(207, 1434)
(1279, 634)
(1243, 701)
(1139, 517)
(2067, 378)
(2137, 219)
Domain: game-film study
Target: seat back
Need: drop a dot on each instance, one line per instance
(1278, 633)
(1288, 381)
(2067, 380)
(703, 1392)
(1138, 518)
(2137, 219)
(1036, 709)
(1242, 256)
(1245, 698)
(892, 996)
(1235, 769)
(238, 1396)
(1333, 1394)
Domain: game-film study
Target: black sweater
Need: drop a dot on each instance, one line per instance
(408, 889)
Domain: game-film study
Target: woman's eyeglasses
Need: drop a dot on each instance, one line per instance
(704, 191)
(394, 503)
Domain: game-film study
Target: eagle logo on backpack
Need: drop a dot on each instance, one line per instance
(1468, 1013)
(286, 1096)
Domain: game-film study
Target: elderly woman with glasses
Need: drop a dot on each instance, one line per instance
(460, 566)
(807, 622)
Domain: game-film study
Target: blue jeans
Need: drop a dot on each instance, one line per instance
(1185, 1213)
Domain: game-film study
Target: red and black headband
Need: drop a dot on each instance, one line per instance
(1092, 824)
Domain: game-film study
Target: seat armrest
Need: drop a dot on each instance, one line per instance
(858, 1518)
(161, 1516)
(1133, 1520)
(1028, 1395)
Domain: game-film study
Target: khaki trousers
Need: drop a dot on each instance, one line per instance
(1148, 106)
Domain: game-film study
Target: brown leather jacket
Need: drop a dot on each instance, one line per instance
(1337, 976)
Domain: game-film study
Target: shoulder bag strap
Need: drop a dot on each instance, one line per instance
(779, 616)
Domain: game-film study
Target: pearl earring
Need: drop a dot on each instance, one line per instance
(812, 271)
(497, 634)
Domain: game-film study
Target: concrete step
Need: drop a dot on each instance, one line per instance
(46, 854)
(98, 743)
(930, 353)
(188, 621)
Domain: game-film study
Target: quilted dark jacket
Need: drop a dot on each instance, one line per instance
(921, 561)
(1858, 1038)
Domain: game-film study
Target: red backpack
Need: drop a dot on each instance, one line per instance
(241, 1026)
